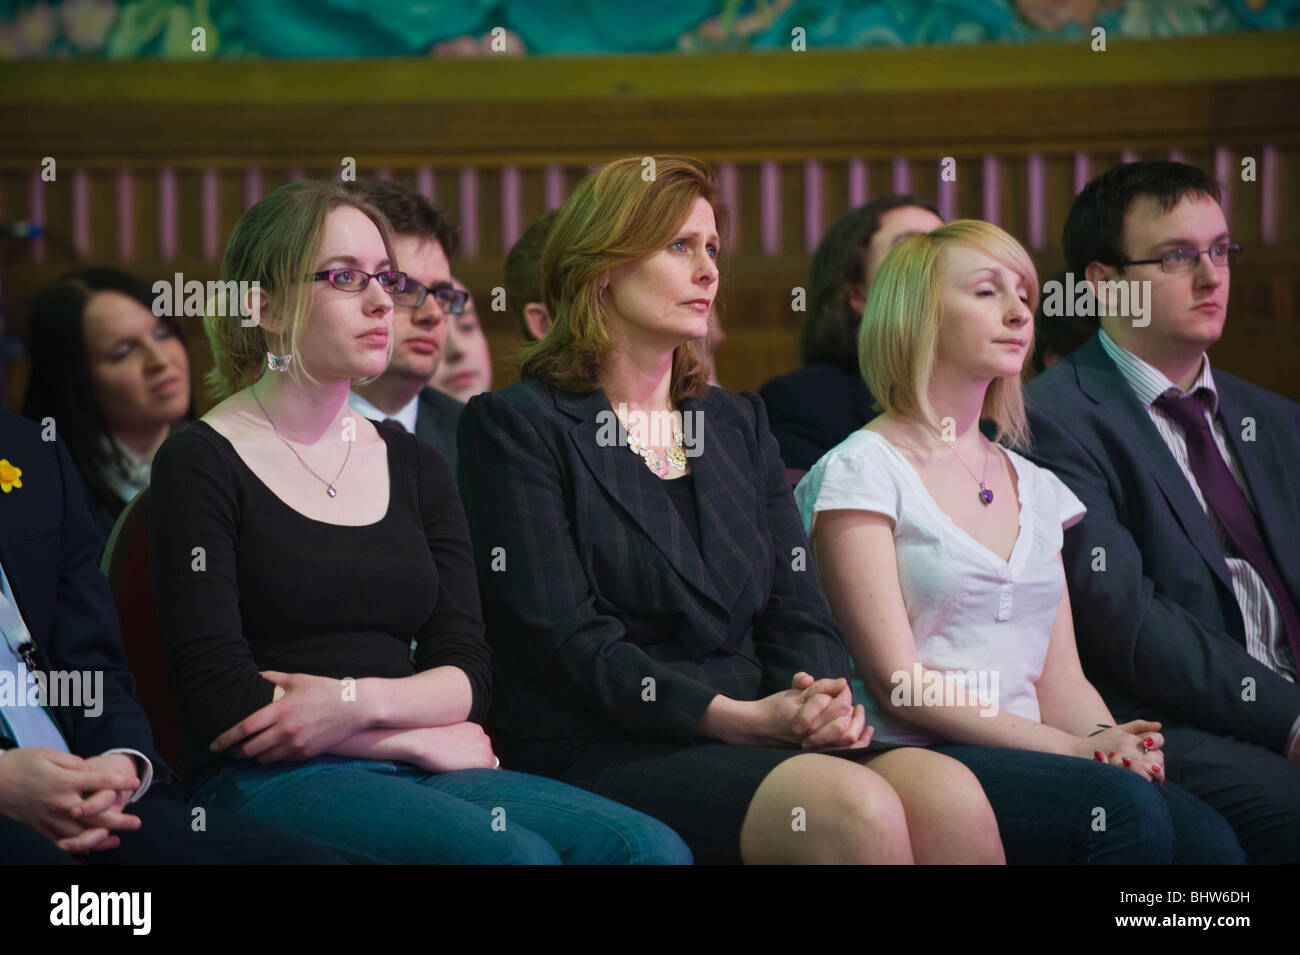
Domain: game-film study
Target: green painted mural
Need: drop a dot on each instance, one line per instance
(186, 29)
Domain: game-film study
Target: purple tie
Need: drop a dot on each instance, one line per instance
(1229, 504)
(393, 423)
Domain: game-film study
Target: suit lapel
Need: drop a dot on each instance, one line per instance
(13, 526)
(9, 559)
(426, 426)
(620, 473)
(1102, 382)
(1262, 466)
(724, 500)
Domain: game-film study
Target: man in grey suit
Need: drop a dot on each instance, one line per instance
(424, 240)
(1185, 574)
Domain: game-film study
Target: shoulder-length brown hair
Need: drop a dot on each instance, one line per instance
(623, 212)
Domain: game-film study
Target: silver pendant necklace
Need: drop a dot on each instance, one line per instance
(329, 485)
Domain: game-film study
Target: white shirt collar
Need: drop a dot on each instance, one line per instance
(126, 483)
(406, 416)
(1149, 382)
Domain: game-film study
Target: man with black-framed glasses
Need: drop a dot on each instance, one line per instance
(424, 240)
(1184, 575)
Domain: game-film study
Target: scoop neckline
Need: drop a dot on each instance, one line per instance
(388, 447)
(1022, 492)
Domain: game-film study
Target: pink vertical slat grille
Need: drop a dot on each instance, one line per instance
(424, 182)
(947, 191)
(469, 233)
(125, 215)
(991, 177)
(511, 203)
(553, 185)
(902, 175)
(812, 204)
(1082, 171)
(167, 214)
(252, 185)
(729, 184)
(211, 208)
(769, 207)
(81, 213)
(1268, 195)
(1036, 185)
(858, 183)
(36, 201)
(1224, 172)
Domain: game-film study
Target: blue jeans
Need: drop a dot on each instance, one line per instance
(373, 811)
(1063, 809)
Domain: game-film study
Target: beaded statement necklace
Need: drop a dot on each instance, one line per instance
(676, 454)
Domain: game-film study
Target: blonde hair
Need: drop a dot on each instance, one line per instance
(613, 217)
(275, 243)
(899, 335)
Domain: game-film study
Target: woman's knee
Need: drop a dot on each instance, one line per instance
(949, 815)
(823, 808)
(932, 780)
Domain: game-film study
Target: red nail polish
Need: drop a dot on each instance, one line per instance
(1155, 769)
(1096, 754)
(1112, 755)
(1127, 761)
(1149, 741)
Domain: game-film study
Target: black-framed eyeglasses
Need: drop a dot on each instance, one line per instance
(1224, 255)
(449, 298)
(354, 280)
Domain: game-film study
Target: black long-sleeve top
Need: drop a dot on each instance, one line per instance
(272, 589)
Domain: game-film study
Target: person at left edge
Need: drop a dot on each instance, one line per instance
(80, 778)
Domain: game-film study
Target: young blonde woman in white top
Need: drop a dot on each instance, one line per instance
(940, 553)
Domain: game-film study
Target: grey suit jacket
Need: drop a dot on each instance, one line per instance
(1159, 630)
(436, 419)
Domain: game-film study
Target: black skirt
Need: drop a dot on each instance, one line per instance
(701, 791)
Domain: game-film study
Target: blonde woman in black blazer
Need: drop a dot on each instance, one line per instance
(658, 634)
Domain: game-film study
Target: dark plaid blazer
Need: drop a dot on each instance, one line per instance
(604, 615)
(1159, 630)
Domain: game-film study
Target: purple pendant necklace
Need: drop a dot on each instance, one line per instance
(986, 494)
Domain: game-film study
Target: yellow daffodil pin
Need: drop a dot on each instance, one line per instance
(10, 476)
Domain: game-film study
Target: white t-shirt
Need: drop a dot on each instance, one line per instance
(982, 621)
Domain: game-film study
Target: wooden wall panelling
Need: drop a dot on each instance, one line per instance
(277, 120)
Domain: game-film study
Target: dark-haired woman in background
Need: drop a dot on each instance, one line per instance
(815, 408)
(114, 376)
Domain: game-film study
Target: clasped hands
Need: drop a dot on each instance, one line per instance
(1134, 745)
(816, 714)
(77, 803)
